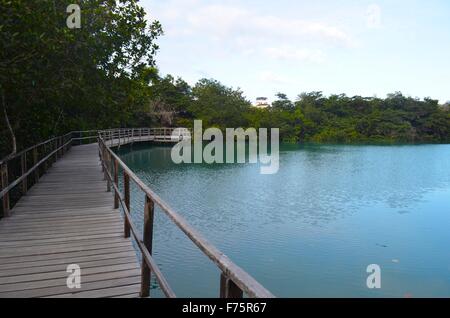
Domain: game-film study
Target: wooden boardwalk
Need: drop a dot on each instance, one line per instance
(70, 216)
(67, 218)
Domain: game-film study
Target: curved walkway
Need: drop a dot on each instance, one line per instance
(67, 218)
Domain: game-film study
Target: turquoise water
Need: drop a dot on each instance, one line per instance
(312, 229)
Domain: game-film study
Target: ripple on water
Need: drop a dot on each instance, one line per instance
(312, 228)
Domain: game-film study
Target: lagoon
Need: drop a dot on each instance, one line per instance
(311, 229)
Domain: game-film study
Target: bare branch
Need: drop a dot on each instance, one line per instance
(13, 136)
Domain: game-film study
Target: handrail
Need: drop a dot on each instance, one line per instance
(26, 174)
(234, 281)
(54, 148)
(10, 157)
(58, 146)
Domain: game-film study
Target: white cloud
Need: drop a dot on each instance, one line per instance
(218, 20)
(235, 30)
(272, 78)
(373, 16)
(289, 53)
(223, 20)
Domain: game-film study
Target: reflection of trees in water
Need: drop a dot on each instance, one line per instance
(315, 184)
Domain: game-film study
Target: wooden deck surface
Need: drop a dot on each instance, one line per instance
(67, 218)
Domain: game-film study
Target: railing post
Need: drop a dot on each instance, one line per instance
(116, 182)
(108, 169)
(23, 165)
(228, 289)
(61, 144)
(102, 160)
(35, 161)
(148, 242)
(46, 161)
(56, 148)
(126, 189)
(105, 162)
(4, 183)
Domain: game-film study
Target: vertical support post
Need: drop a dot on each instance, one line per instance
(102, 160)
(228, 289)
(116, 182)
(126, 189)
(108, 169)
(46, 161)
(148, 242)
(4, 183)
(61, 144)
(105, 162)
(35, 161)
(56, 149)
(23, 165)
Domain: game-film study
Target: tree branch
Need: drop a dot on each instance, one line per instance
(13, 137)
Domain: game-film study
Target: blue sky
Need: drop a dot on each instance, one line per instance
(336, 46)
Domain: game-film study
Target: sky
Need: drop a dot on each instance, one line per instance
(367, 48)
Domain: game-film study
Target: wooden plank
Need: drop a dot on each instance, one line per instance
(63, 273)
(134, 295)
(57, 290)
(52, 234)
(4, 289)
(24, 228)
(69, 231)
(63, 248)
(63, 267)
(28, 259)
(59, 240)
(108, 292)
(68, 260)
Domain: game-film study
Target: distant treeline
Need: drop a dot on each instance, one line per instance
(54, 79)
(312, 117)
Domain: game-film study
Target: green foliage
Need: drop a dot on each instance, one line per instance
(218, 105)
(56, 79)
(343, 119)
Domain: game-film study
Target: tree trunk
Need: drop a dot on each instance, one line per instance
(13, 137)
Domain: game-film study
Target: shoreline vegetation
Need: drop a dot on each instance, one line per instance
(54, 79)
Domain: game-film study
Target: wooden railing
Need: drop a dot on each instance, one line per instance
(42, 155)
(234, 281)
(123, 136)
(40, 158)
